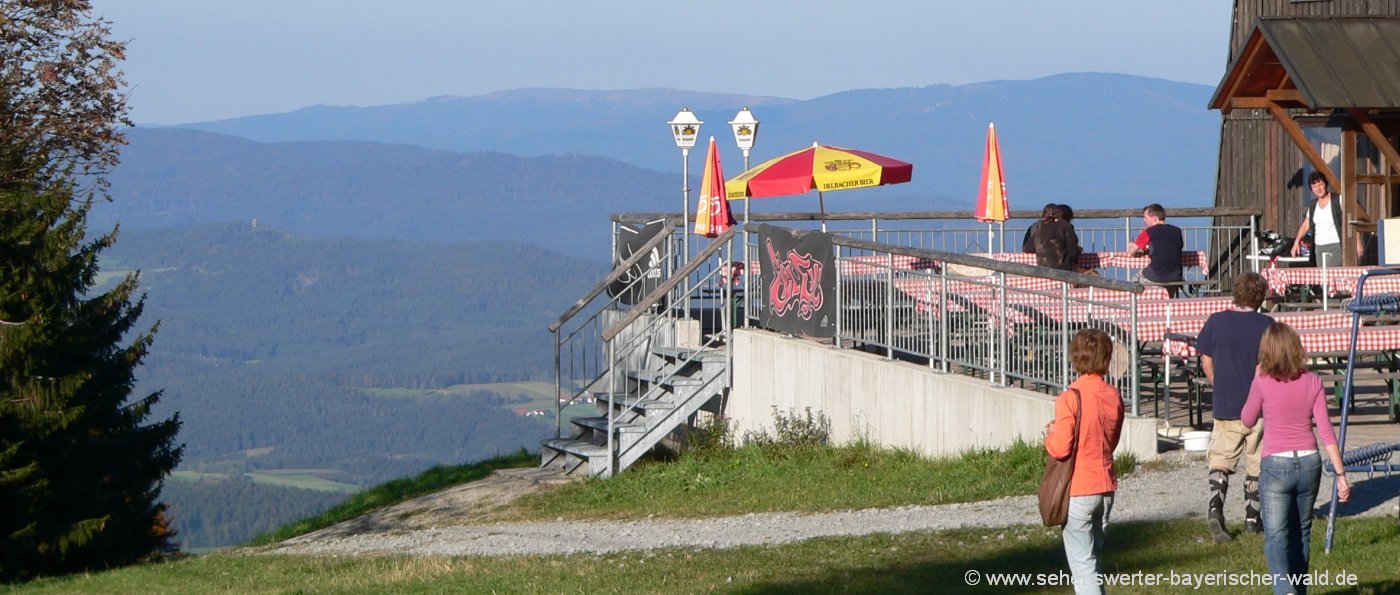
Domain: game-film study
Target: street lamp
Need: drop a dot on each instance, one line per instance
(685, 127)
(745, 133)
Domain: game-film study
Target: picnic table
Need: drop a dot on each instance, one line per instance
(1335, 281)
(1125, 260)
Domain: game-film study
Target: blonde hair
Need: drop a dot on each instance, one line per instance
(1281, 354)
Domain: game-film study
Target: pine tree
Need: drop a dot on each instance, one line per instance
(80, 468)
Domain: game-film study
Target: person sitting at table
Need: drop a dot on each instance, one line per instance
(1229, 348)
(1163, 242)
(1056, 244)
(1324, 218)
(1028, 242)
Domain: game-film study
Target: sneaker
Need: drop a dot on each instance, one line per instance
(1253, 526)
(1216, 519)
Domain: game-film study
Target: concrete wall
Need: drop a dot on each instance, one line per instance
(892, 403)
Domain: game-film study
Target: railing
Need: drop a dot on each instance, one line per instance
(579, 355)
(665, 316)
(1005, 322)
(1000, 321)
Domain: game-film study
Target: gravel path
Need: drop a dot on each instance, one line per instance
(1176, 492)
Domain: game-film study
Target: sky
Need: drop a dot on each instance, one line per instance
(197, 60)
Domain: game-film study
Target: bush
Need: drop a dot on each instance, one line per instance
(793, 433)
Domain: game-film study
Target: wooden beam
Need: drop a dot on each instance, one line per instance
(1284, 95)
(1301, 141)
(1378, 138)
(1251, 103)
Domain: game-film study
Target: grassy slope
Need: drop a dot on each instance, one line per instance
(723, 482)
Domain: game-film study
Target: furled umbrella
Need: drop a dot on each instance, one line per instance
(818, 167)
(712, 216)
(991, 195)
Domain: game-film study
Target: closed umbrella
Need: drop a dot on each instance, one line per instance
(712, 217)
(821, 168)
(991, 195)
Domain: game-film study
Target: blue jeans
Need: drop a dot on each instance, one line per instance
(1288, 491)
(1083, 537)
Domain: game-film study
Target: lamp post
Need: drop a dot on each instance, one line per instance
(685, 127)
(745, 133)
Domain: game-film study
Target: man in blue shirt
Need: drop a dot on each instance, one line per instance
(1229, 348)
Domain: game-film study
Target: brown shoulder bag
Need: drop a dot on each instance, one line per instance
(1054, 485)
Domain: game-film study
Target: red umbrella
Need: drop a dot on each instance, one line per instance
(821, 168)
(712, 217)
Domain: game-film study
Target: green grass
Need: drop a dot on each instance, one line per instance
(762, 479)
(918, 562)
(432, 480)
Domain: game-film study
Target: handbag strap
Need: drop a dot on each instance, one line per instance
(1078, 413)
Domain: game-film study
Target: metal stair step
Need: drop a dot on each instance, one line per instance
(580, 448)
(647, 404)
(600, 423)
(700, 355)
(654, 377)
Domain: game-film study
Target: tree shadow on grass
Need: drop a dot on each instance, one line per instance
(948, 558)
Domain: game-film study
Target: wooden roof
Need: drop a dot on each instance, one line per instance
(1318, 63)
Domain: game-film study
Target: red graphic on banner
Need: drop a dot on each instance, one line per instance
(797, 283)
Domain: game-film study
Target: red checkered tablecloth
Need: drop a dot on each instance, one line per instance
(1318, 340)
(1339, 280)
(1153, 328)
(880, 263)
(1189, 259)
(1087, 260)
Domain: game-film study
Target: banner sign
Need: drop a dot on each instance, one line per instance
(798, 275)
(645, 276)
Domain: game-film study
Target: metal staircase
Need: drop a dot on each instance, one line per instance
(649, 347)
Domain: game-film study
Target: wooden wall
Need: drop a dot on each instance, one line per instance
(1259, 165)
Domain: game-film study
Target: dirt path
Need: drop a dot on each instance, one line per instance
(436, 524)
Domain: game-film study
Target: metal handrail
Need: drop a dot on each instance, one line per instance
(666, 286)
(611, 277)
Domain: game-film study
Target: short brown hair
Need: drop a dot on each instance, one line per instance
(1281, 355)
(1090, 351)
(1250, 290)
(1155, 210)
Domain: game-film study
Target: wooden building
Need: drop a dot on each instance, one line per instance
(1312, 86)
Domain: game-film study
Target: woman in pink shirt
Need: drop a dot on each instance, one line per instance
(1292, 400)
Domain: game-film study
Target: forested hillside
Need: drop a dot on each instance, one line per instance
(268, 342)
(172, 177)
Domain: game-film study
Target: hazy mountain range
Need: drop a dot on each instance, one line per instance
(546, 166)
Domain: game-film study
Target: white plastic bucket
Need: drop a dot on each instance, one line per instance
(1195, 440)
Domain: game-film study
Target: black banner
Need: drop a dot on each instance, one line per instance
(645, 276)
(798, 275)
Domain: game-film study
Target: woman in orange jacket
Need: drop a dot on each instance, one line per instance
(1091, 488)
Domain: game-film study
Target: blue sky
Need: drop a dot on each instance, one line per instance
(193, 60)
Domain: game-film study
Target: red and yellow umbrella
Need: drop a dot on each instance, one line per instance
(991, 195)
(712, 217)
(820, 168)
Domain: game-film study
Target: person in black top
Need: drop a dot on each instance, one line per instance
(1229, 348)
(1056, 244)
(1164, 242)
(1028, 242)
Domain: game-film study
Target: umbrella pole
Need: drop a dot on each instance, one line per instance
(821, 201)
